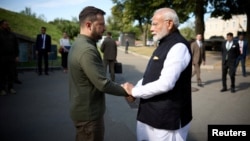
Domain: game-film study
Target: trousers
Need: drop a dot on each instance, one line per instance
(148, 133)
(89, 130)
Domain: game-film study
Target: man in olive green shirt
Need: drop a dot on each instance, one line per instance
(87, 79)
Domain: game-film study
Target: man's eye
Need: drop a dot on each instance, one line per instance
(154, 24)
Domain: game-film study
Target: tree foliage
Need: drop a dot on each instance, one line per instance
(114, 25)
(141, 12)
(70, 27)
(226, 8)
(27, 11)
(42, 17)
(189, 31)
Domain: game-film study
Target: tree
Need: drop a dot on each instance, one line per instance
(200, 10)
(115, 26)
(27, 11)
(70, 27)
(189, 31)
(42, 17)
(227, 8)
(141, 11)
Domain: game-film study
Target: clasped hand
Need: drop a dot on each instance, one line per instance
(128, 88)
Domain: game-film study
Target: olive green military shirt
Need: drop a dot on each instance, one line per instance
(87, 81)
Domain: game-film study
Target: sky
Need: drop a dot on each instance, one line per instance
(52, 9)
(65, 9)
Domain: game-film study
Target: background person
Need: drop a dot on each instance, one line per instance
(65, 45)
(199, 56)
(9, 52)
(16, 78)
(126, 46)
(109, 49)
(43, 48)
(243, 45)
(87, 79)
(165, 109)
(230, 52)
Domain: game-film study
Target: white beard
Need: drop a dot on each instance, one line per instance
(161, 34)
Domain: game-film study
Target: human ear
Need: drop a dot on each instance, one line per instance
(170, 25)
(88, 25)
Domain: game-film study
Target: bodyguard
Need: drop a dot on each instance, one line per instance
(43, 48)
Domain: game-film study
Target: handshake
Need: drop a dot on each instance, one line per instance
(128, 88)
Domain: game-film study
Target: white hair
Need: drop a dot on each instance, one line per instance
(169, 14)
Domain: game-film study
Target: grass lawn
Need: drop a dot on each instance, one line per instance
(142, 50)
(147, 51)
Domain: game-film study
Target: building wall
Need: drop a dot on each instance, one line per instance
(219, 27)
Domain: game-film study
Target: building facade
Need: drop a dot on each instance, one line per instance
(220, 27)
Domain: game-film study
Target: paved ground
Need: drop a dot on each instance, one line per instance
(40, 109)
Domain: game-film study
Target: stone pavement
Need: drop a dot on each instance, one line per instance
(210, 106)
(40, 109)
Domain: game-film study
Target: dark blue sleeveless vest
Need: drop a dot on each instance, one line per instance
(172, 109)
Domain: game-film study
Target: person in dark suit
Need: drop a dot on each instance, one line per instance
(198, 53)
(109, 49)
(230, 52)
(243, 44)
(43, 48)
(9, 52)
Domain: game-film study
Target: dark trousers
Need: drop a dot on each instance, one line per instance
(111, 64)
(126, 49)
(16, 72)
(89, 130)
(241, 59)
(65, 60)
(228, 67)
(43, 55)
(7, 72)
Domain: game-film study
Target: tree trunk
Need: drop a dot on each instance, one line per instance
(199, 17)
(145, 36)
(248, 28)
(142, 31)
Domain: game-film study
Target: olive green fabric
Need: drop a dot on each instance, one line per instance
(87, 81)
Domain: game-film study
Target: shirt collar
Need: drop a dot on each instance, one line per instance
(92, 41)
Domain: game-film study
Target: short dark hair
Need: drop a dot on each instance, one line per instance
(43, 28)
(2, 21)
(90, 13)
(230, 34)
(241, 34)
(109, 33)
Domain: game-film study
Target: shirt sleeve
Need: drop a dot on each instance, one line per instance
(176, 61)
(139, 83)
(61, 42)
(92, 65)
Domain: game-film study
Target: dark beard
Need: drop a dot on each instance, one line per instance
(96, 36)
